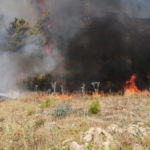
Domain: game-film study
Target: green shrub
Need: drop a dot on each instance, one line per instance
(39, 122)
(30, 111)
(47, 103)
(61, 111)
(94, 107)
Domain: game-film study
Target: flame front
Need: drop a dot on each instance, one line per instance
(131, 88)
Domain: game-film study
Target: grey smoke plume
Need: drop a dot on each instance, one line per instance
(26, 62)
(67, 16)
(26, 9)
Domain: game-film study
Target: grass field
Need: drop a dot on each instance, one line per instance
(27, 122)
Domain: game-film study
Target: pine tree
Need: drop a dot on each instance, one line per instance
(17, 34)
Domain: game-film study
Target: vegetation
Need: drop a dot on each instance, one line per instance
(61, 111)
(94, 107)
(39, 122)
(42, 131)
(17, 34)
(20, 33)
(30, 111)
(47, 103)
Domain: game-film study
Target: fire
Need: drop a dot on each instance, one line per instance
(44, 95)
(49, 45)
(95, 94)
(42, 7)
(21, 76)
(65, 96)
(131, 88)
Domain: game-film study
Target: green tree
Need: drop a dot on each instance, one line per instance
(16, 34)
(42, 28)
(19, 30)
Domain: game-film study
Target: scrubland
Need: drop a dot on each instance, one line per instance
(32, 122)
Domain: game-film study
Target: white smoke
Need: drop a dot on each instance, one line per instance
(28, 61)
(66, 13)
(25, 9)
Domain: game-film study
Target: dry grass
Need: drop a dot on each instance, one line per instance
(19, 117)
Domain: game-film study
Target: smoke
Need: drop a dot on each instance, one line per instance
(30, 59)
(26, 9)
(95, 39)
(24, 63)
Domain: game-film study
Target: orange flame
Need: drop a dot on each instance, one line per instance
(49, 46)
(42, 7)
(65, 96)
(21, 76)
(131, 88)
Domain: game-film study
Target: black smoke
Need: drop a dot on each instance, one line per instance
(99, 40)
(110, 49)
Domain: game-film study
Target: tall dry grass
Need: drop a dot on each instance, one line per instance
(25, 125)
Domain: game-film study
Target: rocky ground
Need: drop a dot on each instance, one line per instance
(31, 122)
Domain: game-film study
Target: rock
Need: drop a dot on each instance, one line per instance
(37, 115)
(92, 133)
(2, 119)
(139, 123)
(136, 130)
(108, 136)
(137, 147)
(87, 138)
(131, 130)
(143, 131)
(75, 146)
(114, 129)
(95, 135)
(99, 130)
(106, 145)
(88, 135)
(86, 145)
(68, 140)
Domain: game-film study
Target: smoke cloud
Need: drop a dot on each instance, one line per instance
(21, 64)
(103, 48)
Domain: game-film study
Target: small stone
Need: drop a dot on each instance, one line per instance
(2, 119)
(86, 145)
(37, 115)
(87, 138)
(139, 123)
(137, 147)
(74, 146)
(112, 128)
(106, 145)
(68, 140)
(108, 136)
(88, 135)
(99, 130)
(90, 131)
(131, 130)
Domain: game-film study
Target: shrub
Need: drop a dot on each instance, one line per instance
(30, 111)
(94, 107)
(39, 122)
(61, 111)
(47, 103)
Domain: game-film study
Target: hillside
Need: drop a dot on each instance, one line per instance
(32, 122)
